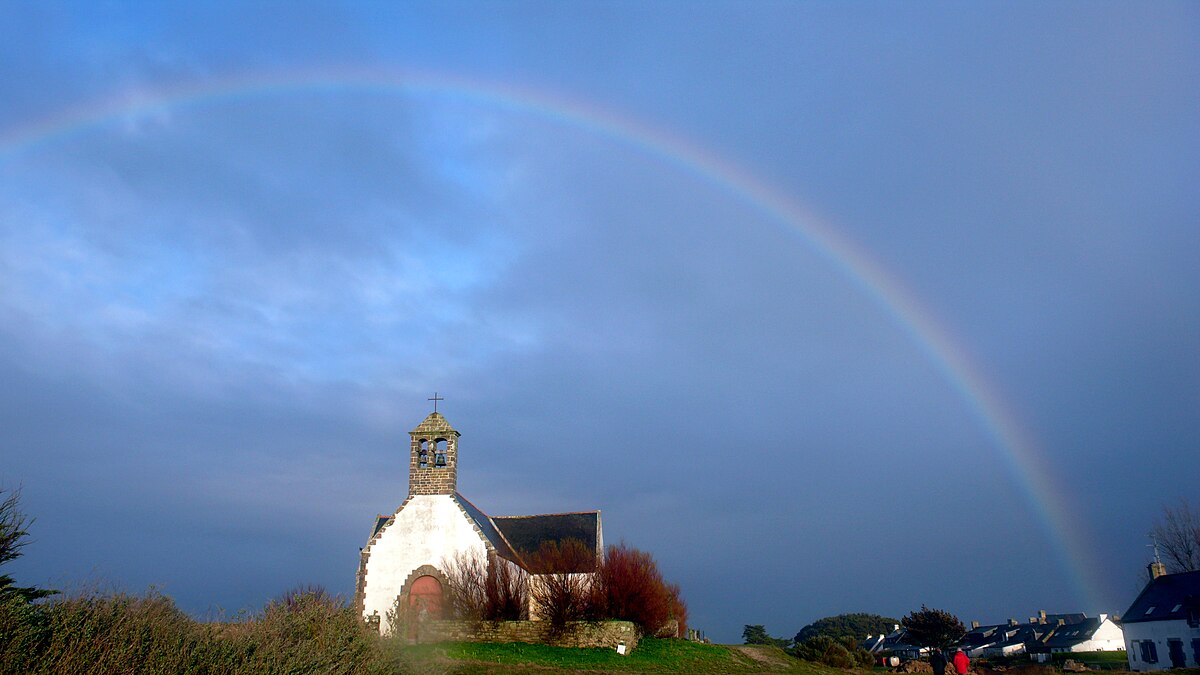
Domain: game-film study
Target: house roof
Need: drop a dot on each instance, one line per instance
(527, 534)
(1073, 634)
(1053, 619)
(1170, 597)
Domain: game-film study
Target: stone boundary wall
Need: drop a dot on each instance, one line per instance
(605, 634)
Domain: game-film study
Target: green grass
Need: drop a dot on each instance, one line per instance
(1091, 657)
(651, 656)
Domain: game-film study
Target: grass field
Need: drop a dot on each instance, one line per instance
(651, 656)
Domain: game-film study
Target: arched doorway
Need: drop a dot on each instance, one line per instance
(425, 597)
(424, 603)
(421, 599)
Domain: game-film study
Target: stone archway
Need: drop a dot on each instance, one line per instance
(422, 598)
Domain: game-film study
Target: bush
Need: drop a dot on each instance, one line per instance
(505, 591)
(839, 653)
(562, 591)
(496, 590)
(630, 587)
(306, 630)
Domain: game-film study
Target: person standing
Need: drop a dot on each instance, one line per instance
(938, 661)
(961, 662)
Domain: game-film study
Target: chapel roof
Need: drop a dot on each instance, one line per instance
(485, 525)
(527, 534)
(1169, 597)
(380, 521)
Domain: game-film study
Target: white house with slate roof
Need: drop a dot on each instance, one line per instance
(403, 563)
(1162, 626)
(1094, 634)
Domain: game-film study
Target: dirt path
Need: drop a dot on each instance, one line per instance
(766, 656)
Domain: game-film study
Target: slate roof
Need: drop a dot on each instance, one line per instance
(1072, 634)
(485, 525)
(380, 520)
(527, 534)
(1171, 597)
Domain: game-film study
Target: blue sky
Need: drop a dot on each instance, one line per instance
(221, 313)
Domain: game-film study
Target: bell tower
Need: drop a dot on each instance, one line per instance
(433, 460)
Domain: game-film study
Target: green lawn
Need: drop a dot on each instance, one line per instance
(651, 656)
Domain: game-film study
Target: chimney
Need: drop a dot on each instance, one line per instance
(974, 625)
(1033, 619)
(1062, 622)
(1042, 616)
(1103, 618)
(1012, 622)
(1157, 569)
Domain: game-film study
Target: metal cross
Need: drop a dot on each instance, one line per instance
(435, 399)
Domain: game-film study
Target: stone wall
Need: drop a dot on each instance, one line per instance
(607, 634)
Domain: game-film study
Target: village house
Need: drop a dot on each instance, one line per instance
(1162, 626)
(1095, 634)
(1042, 635)
(402, 568)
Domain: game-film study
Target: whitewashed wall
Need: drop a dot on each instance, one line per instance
(426, 531)
(1108, 638)
(1160, 632)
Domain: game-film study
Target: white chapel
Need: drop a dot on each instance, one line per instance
(402, 565)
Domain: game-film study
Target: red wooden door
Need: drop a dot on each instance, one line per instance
(426, 594)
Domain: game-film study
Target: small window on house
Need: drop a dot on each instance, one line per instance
(1177, 608)
(1149, 651)
(1150, 610)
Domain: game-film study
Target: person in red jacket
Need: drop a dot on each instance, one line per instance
(961, 662)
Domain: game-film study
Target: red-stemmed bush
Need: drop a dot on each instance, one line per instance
(629, 586)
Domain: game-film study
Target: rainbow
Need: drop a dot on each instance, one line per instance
(885, 290)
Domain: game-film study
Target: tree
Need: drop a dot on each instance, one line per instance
(1177, 537)
(757, 635)
(932, 628)
(857, 626)
(13, 532)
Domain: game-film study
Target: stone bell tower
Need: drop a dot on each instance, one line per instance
(433, 461)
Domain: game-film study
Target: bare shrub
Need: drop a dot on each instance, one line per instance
(466, 588)
(561, 588)
(506, 591)
(490, 589)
